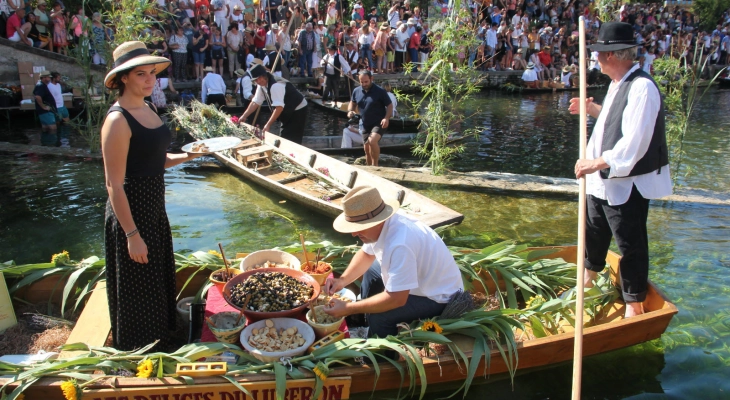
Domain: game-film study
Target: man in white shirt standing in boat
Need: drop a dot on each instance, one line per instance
(407, 271)
(626, 164)
(334, 66)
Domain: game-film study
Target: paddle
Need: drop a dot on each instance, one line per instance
(578, 345)
(223, 256)
(343, 74)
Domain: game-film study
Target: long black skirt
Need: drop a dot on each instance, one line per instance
(141, 296)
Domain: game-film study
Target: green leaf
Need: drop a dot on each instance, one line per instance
(71, 285)
(36, 276)
(280, 375)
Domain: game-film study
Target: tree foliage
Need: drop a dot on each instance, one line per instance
(709, 12)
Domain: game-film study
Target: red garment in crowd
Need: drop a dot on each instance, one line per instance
(12, 23)
(260, 43)
(545, 58)
(415, 41)
(199, 3)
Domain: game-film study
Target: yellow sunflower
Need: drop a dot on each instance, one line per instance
(70, 390)
(431, 326)
(145, 368)
(535, 301)
(321, 371)
(215, 253)
(61, 258)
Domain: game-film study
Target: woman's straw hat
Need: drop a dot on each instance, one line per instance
(363, 208)
(130, 55)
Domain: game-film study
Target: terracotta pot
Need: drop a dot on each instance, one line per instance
(219, 284)
(320, 278)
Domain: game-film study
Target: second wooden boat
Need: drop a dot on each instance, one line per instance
(340, 108)
(332, 144)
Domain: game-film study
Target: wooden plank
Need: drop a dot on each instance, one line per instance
(94, 323)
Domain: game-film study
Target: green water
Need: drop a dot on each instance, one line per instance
(50, 204)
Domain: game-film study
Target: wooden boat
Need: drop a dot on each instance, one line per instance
(519, 89)
(609, 332)
(331, 144)
(340, 108)
(339, 176)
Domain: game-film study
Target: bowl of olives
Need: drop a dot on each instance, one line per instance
(274, 292)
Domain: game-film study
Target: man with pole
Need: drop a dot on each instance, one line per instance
(334, 65)
(626, 164)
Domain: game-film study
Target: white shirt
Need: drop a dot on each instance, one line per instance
(648, 61)
(401, 37)
(492, 38)
(312, 4)
(245, 82)
(393, 18)
(212, 84)
(366, 39)
(328, 62)
(565, 78)
(637, 127)
(529, 75)
(413, 257)
(277, 95)
(55, 89)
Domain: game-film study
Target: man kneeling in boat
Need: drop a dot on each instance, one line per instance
(407, 271)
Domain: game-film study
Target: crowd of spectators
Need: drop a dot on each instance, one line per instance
(228, 35)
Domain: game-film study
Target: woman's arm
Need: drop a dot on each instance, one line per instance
(115, 136)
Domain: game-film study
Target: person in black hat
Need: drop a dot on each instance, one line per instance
(334, 66)
(626, 163)
(375, 108)
(286, 103)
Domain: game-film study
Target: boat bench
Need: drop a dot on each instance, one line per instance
(94, 324)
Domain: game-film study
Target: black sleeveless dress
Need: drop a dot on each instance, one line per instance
(142, 296)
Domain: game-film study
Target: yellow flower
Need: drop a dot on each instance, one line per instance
(144, 369)
(431, 326)
(535, 301)
(70, 390)
(20, 397)
(215, 253)
(61, 258)
(321, 371)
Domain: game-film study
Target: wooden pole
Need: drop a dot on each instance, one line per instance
(583, 133)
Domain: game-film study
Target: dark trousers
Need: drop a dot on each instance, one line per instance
(218, 99)
(331, 84)
(305, 64)
(414, 59)
(384, 324)
(627, 224)
(293, 128)
(399, 59)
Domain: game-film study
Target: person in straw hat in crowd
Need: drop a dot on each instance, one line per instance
(271, 56)
(529, 77)
(287, 104)
(566, 75)
(213, 88)
(244, 87)
(351, 56)
(334, 66)
(407, 271)
(626, 163)
(140, 264)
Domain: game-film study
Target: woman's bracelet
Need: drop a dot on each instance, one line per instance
(130, 234)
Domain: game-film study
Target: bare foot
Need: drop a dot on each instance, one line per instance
(588, 278)
(633, 309)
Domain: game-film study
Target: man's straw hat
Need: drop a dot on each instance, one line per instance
(363, 208)
(130, 55)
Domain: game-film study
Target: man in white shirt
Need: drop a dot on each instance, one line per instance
(394, 16)
(626, 164)
(244, 87)
(213, 90)
(286, 103)
(54, 86)
(529, 77)
(491, 40)
(334, 66)
(401, 44)
(407, 271)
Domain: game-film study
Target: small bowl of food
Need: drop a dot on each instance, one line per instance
(319, 270)
(269, 259)
(224, 326)
(271, 339)
(219, 277)
(325, 324)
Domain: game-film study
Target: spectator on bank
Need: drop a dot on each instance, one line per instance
(529, 77)
(234, 47)
(306, 41)
(200, 45)
(31, 27)
(179, 45)
(547, 62)
(60, 36)
(44, 25)
(217, 45)
(15, 28)
(99, 39)
(77, 26)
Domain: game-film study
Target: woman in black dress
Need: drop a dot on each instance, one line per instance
(140, 265)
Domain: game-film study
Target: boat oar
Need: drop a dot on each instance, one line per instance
(243, 307)
(223, 256)
(583, 133)
(304, 249)
(348, 76)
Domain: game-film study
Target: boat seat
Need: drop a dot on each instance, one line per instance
(94, 324)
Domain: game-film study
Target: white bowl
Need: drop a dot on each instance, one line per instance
(275, 256)
(185, 311)
(286, 323)
(321, 329)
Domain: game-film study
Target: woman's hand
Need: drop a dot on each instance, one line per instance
(137, 249)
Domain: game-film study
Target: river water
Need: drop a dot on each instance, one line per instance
(51, 204)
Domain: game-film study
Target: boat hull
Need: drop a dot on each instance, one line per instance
(395, 124)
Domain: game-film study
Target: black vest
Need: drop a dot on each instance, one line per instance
(292, 98)
(272, 58)
(656, 155)
(350, 56)
(337, 64)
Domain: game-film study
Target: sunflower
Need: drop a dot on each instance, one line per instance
(215, 253)
(61, 258)
(431, 326)
(144, 369)
(70, 390)
(535, 301)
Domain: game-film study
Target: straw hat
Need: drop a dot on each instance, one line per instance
(45, 74)
(530, 65)
(240, 72)
(236, 8)
(275, 26)
(208, 69)
(363, 208)
(41, 3)
(567, 69)
(411, 21)
(130, 55)
(270, 47)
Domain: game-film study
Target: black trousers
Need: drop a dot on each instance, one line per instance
(399, 59)
(218, 99)
(331, 85)
(293, 128)
(627, 224)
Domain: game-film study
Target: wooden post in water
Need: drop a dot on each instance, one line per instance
(583, 134)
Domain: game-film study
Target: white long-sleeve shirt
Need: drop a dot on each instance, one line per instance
(492, 38)
(328, 62)
(245, 83)
(212, 84)
(637, 127)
